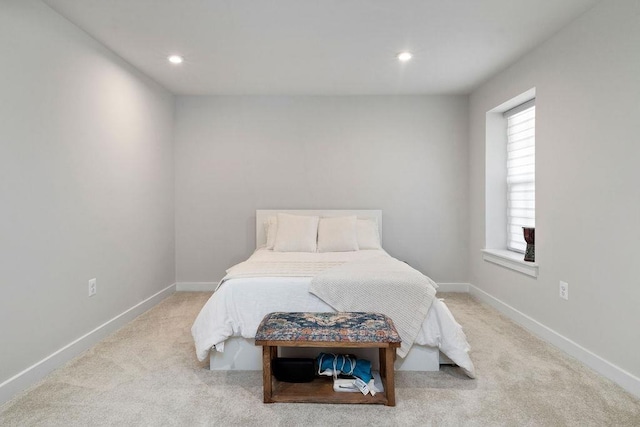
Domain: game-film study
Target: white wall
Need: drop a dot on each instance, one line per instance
(587, 81)
(86, 179)
(405, 155)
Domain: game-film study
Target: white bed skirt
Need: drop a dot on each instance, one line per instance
(241, 354)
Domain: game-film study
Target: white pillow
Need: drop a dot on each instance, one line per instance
(368, 234)
(337, 234)
(296, 233)
(270, 230)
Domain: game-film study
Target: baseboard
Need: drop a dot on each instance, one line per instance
(196, 286)
(39, 370)
(453, 287)
(626, 380)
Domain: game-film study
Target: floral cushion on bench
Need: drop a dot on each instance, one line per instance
(332, 327)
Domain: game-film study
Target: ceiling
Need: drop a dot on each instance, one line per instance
(321, 47)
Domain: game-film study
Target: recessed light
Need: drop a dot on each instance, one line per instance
(175, 59)
(404, 56)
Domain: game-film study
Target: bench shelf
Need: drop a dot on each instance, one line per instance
(320, 390)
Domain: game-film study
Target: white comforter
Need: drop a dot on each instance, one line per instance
(238, 306)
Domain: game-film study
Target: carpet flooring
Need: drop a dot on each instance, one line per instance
(146, 374)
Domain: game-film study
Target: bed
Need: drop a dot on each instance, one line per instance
(273, 279)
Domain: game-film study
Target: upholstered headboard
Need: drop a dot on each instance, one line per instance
(263, 214)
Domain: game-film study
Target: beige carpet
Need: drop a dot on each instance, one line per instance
(147, 374)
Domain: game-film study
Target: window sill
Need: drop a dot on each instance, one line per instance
(510, 260)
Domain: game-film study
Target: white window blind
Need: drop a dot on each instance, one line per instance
(521, 173)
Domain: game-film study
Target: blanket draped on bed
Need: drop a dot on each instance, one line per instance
(382, 285)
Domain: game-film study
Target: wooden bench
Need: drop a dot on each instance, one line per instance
(324, 330)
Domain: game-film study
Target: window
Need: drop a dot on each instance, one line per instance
(510, 181)
(521, 178)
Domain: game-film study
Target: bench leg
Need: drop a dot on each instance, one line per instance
(267, 352)
(389, 383)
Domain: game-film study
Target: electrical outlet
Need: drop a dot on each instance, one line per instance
(93, 287)
(564, 290)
